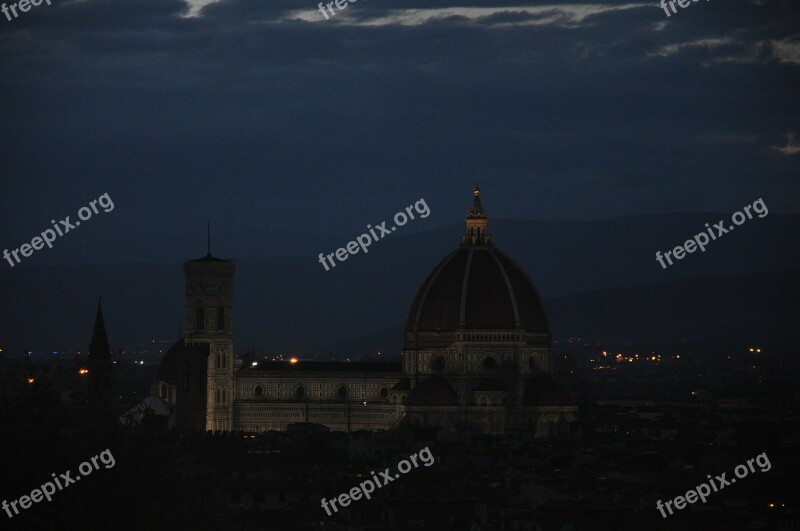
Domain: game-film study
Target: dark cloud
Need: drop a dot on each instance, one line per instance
(265, 122)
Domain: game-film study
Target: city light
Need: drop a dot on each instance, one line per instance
(293, 360)
(83, 371)
(31, 380)
(254, 364)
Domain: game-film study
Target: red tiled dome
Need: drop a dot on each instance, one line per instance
(476, 288)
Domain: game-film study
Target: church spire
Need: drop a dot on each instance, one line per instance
(477, 221)
(99, 349)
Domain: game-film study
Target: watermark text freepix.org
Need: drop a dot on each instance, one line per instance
(24, 6)
(49, 488)
(683, 3)
(340, 4)
(364, 241)
(62, 227)
(367, 487)
(703, 490)
(701, 239)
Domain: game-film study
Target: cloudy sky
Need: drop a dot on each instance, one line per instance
(264, 116)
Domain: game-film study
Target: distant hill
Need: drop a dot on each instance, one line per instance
(600, 279)
(756, 309)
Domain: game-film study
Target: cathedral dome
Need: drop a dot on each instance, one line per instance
(170, 363)
(476, 288)
(171, 366)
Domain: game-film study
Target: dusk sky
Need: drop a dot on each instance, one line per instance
(570, 346)
(264, 116)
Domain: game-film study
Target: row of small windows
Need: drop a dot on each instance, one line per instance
(200, 318)
(489, 337)
(300, 391)
(439, 363)
(222, 361)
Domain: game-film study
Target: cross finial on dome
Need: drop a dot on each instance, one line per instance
(477, 190)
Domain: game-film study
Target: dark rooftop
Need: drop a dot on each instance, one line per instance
(327, 366)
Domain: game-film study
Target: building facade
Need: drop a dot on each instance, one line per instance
(477, 353)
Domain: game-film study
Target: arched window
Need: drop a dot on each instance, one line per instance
(439, 363)
(342, 392)
(300, 392)
(221, 318)
(384, 392)
(489, 363)
(258, 391)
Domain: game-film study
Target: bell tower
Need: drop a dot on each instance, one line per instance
(209, 319)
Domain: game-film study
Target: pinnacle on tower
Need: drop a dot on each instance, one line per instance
(99, 349)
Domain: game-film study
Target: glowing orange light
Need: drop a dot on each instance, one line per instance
(31, 380)
(83, 371)
(293, 360)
